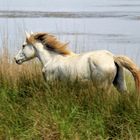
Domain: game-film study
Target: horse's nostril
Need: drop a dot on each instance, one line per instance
(16, 61)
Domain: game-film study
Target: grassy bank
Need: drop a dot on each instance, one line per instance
(33, 109)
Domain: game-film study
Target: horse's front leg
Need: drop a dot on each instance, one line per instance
(48, 76)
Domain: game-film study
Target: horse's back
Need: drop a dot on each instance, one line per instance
(97, 62)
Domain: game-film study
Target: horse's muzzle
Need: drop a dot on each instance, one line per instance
(17, 61)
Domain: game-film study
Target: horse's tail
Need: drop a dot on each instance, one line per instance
(131, 66)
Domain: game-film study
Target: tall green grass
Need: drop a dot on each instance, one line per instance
(30, 108)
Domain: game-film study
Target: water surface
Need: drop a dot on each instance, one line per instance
(86, 25)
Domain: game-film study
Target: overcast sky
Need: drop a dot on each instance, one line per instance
(68, 5)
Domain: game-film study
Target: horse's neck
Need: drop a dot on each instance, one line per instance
(45, 56)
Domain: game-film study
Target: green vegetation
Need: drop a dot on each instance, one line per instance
(32, 109)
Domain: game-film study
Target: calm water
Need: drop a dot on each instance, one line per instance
(87, 25)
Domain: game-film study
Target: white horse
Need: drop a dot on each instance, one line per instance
(101, 67)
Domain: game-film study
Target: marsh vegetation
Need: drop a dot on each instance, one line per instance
(30, 108)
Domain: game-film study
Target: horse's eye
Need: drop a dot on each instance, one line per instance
(23, 46)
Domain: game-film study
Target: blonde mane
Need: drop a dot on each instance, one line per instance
(51, 43)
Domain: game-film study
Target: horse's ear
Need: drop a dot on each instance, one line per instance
(32, 33)
(27, 34)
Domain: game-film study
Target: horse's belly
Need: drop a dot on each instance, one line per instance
(77, 73)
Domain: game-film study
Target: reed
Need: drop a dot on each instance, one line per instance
(31, 108)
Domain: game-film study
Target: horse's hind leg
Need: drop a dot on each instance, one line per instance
(119, 81)
(104, 86)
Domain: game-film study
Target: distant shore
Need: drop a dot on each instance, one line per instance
(82, 14)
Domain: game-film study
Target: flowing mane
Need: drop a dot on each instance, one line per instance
(52, 43)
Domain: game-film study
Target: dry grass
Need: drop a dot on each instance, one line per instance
(33, 109)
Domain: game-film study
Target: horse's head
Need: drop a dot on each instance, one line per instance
(40, 42)
(27, 51)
